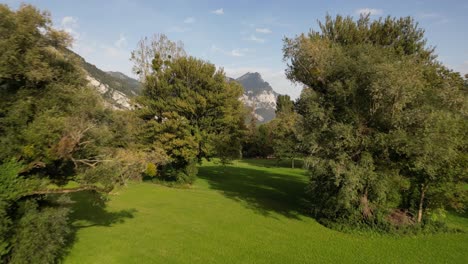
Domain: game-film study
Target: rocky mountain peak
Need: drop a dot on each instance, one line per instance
(253, 82)
(259, 95)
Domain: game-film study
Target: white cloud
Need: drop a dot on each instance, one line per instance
(69, 24)
(276, 78)
(239, 52)
(111, 51)
(371, 11)
(121, 42)
(218, 11)
(118, 50)
(189, 20)
(263, 30)
(255, 39)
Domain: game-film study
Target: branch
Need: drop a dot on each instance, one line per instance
(90, 162)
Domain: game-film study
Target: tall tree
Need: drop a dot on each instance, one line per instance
(146, 51)
(383, 119)
(284, 105)
(285, 130)
(192, 112)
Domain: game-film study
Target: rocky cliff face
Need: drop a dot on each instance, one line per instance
(116, 88)
(258, 95)
(113, 97)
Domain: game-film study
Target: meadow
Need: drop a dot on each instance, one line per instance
(248, 212)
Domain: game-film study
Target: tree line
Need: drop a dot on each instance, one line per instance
(380, 125)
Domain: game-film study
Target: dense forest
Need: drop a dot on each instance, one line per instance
(380, 127)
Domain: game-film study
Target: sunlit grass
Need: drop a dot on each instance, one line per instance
(247, 212)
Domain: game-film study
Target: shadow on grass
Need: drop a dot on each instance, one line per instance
(89, 209)
(262, 191)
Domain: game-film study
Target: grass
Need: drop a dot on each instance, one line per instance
(248, 212)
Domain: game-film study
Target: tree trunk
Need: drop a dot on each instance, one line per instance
(421, 201)
(365, 208)
(292, 163)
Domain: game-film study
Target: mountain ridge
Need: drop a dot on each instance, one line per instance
(118, 90)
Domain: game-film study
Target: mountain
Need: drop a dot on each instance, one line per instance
(259, 95)
(115, 87)
(118, 89)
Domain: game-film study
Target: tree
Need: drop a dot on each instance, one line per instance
(192, 113)
(53, 130)
(285, 130)
(383, 120)
(284, 105)
(148, 48)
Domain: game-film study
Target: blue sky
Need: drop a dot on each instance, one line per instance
(241, 35)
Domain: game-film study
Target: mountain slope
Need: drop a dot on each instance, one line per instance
(118, 89)
(115, 87)
(258, 95)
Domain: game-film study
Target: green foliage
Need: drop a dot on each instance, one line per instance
(191, 112)
(284, 105)
(158, 49)
(286, 130)
(151, 170)
(40, 234)
(258, 141)
(383, 121)
(10, 190)
(53, 130)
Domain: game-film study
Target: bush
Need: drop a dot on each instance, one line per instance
(181, 174)
(40, 233)
(151, 170)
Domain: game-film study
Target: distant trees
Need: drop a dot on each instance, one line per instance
(257, 141)
(284, 105)
(280, 138)
(384, 122)
(286, 130)
(191, 112)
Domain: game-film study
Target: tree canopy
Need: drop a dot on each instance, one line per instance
(55, 132)
(384, 121)
(192, 112)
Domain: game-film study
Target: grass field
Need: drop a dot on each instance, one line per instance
(249, 212)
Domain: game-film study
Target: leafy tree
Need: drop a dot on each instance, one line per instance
(285, 130)
(192, 113)
(284, 105)
(148, 48)
(383, 120)
(53, 130)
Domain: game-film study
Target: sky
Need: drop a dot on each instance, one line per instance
(240, 36)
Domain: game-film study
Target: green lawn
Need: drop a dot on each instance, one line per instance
(249, 212)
